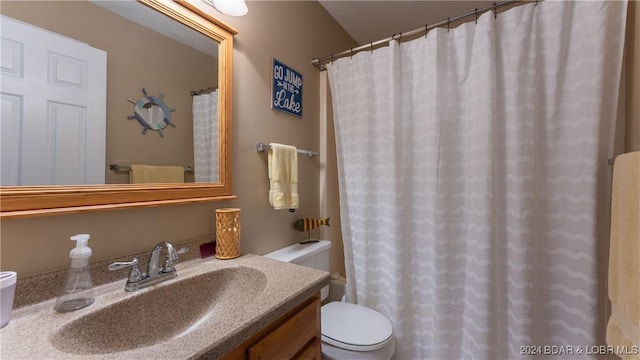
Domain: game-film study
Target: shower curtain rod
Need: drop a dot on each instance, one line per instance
(320, 62)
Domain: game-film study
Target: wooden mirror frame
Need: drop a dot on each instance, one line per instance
(30, 201)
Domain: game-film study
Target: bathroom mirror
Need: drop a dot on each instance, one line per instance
(23, 201)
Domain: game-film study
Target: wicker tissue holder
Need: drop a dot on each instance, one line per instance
(227, 233)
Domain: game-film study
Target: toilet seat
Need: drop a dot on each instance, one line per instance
(354, 327)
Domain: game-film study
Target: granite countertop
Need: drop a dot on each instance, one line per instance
(34, 331)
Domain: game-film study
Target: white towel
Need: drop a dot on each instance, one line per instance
(283, 176)
(624, 254)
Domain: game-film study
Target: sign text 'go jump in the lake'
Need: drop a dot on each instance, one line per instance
(286, 92)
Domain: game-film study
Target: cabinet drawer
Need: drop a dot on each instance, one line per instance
(290, 338)
(313, 351)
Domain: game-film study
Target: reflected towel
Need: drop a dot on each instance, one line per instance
(624, 254)
(283, 176)
(140, 174)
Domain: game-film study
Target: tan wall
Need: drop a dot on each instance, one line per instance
(632, 53)
(293, 32)
(136, 58)
(255, 46)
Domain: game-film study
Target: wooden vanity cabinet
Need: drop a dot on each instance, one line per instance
(295, 335)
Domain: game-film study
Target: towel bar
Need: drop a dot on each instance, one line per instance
(117, 167)
(260, 147)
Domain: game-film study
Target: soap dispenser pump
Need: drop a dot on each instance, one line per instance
(77, 290)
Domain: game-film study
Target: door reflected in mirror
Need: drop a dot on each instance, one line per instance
(139, 54)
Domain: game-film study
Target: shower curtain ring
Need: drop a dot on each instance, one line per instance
(371, 47)
(448, 24)
(426, 30)
(351, 51)
(536, 3)
(332, 58)
(495, 10)
(476, 16)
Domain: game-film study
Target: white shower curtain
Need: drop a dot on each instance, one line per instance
(205, 137)
(469, 166)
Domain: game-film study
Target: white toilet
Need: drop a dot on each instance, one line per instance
(349, 331)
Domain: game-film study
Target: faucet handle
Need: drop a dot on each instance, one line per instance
(172, 258)
(134, 275)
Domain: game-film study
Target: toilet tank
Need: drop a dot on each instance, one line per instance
(313, 255)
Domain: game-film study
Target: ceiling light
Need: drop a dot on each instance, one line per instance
(229, 7)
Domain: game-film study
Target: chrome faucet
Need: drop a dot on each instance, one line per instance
(152, 263)
(154, 274)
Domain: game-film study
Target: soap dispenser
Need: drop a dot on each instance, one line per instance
(77, 290)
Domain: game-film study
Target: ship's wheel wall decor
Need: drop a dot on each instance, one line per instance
(152, 113)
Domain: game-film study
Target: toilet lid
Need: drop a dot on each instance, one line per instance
(354, 327)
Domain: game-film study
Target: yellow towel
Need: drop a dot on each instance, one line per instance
(624, 254)
(626, 349)
(156, 174)
(283, 176)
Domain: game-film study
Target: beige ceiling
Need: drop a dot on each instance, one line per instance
(368, 21)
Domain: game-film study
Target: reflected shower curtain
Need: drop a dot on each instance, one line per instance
(469, 166)
(205, 137)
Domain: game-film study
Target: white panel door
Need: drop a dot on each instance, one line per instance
(53, 95)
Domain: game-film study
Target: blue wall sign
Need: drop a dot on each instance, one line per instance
(286, 92)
